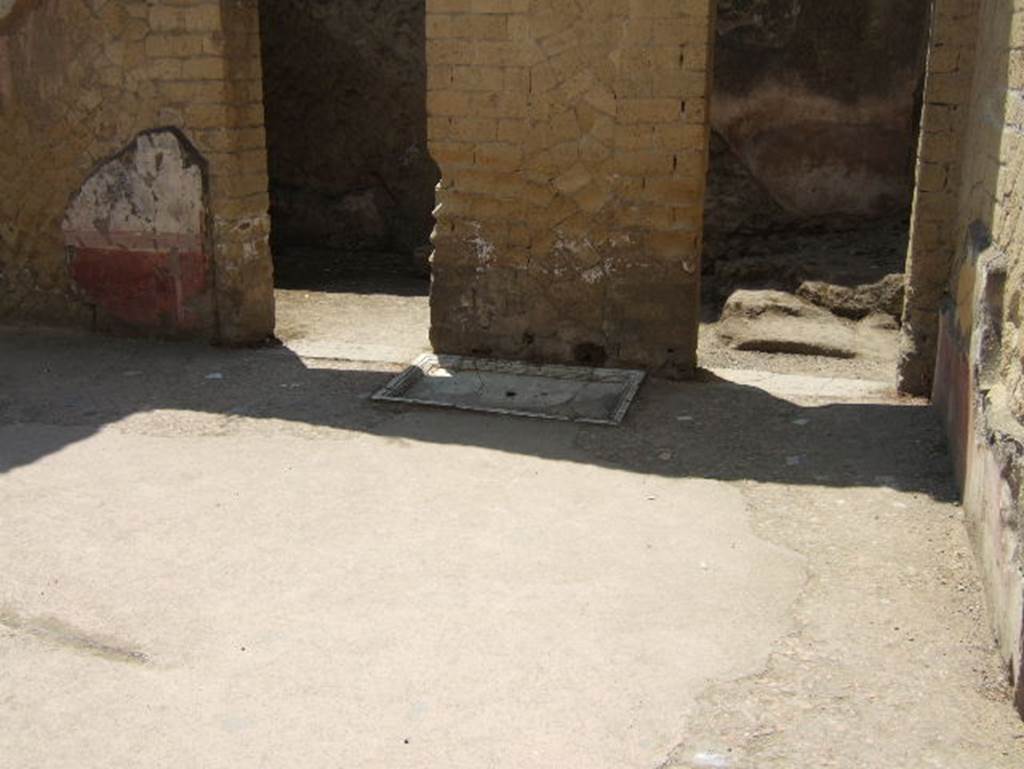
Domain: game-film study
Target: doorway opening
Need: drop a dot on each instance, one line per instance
(351, 181)
(815, 116)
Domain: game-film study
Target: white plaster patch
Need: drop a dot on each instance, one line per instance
(590, 275)
(567, 244)
(151, 191)
(484, 249)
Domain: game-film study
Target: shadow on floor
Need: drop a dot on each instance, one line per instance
(69, 387)
(359, 272)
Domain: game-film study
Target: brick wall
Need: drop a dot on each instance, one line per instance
(572, 140)
(78, 82)
(967, 282)
(933, 226)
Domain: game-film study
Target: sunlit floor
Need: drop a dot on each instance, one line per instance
(227, 558)
(355, 307)
(391, 327)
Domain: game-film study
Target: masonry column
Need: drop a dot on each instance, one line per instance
(206, 55)
(572, 140)
(239, 196)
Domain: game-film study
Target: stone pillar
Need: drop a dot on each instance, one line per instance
(239, 185)
(572, 140)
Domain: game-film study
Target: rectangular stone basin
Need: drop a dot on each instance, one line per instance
(565, 393)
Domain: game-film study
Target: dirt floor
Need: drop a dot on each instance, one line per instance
(366, 306)
(879, 364)
(784, 254)
(232, 557)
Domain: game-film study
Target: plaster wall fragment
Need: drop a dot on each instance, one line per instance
(135, 236)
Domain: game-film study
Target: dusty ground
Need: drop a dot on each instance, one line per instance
(876, 363)
(783, 252)
(220, 558)
(365, 307)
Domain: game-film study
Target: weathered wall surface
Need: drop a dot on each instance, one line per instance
(572, 140)
(968, 258)
(79, 82)
(992, 192)
(819, 99)
(345, 95)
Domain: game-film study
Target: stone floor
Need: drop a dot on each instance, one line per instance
(221, 558)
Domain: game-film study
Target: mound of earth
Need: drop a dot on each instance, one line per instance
(773, 321)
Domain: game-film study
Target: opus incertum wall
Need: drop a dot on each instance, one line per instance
(572, 140)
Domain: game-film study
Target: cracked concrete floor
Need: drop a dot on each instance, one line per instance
(219, 558)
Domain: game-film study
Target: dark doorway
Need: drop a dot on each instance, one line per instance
(351, 181)
(814, 116)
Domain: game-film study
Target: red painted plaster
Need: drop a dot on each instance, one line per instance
(147, 290)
